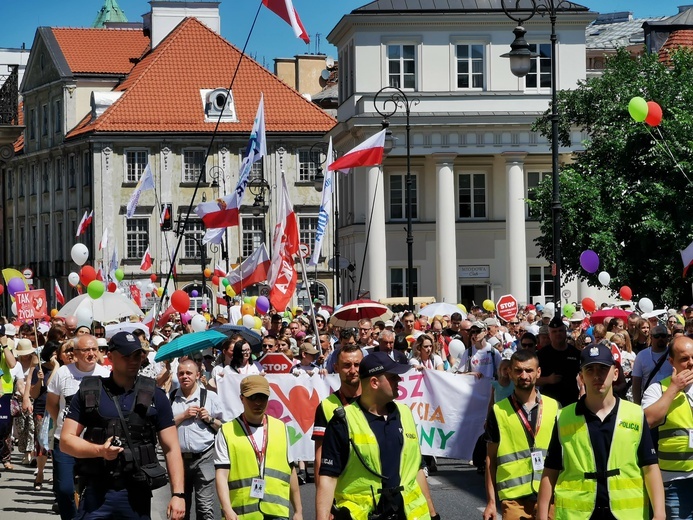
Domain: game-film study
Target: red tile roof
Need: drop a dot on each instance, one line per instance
(676, 40)
(19, 143)
(162, 92)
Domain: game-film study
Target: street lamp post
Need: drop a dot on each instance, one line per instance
(399, 101)
(520, 61)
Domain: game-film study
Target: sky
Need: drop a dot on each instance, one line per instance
(271, 37)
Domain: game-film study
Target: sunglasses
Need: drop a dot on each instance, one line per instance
(528, 345)
(657, 336)
(514, 323)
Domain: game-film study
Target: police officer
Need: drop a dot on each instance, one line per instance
(7, 363)
(371, 463)
(519, 428)
(118, 444)
(591, 462)
(254, 477)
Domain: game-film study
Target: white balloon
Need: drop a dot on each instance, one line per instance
(456, 348)
(604, 278)
(119, 290)
(84, 316)
(646, 305)
(198, 323)
(151, 287)
(73, 278)
(14, 308)
(248, 321)
(79, 254)
(138, 284)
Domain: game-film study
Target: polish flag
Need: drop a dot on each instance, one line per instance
(99, 274)
(149, 320)
(136, 295)
(282, 275)
(59, 293)
(253, 270)
(687, 257)
(84, 223)
(104, 240)
(368, 153)
(146, 264)
(218, 271)
(285, 10)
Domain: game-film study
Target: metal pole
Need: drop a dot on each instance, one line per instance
(410, 236)
(555, 176)
(335, 204)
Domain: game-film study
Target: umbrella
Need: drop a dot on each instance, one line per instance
(598, 317)
(110, 307)
(441, 309)
(190, 343)
(253, 338)
(350, 313)
(125, 326)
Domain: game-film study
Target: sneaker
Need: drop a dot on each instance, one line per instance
(55, 508)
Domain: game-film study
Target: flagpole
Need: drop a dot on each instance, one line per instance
(182, 224)
(304, 272)
(368, 233)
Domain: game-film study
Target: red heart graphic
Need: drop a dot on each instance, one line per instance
(301, 405)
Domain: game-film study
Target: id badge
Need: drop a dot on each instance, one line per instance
(257, 488)
(538, 461)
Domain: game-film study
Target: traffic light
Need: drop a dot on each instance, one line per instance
(166, 220)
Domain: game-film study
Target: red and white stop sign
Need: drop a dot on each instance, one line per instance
(276, 363)
(507, 307)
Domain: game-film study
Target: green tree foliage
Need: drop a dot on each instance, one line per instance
(625, 196)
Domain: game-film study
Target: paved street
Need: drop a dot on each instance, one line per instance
(457, 492)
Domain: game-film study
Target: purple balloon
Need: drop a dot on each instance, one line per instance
(15, 285)
(589, 260)
(262, 305)
(194, 293)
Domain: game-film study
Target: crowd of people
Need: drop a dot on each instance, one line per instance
(86, 401)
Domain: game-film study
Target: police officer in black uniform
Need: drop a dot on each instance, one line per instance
(118, 466)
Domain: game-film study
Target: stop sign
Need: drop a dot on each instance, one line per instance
(276, 363)
(507, 307)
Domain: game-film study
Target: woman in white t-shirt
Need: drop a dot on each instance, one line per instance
(423, 356)
(482, 360)
(241, 362)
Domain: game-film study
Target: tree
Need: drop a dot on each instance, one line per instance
(625, 196)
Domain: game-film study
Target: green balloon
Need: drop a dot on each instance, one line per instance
(119, 275)
(637, 108)
(225, 282)
(568, 310)
(246, 299)
(95, 289)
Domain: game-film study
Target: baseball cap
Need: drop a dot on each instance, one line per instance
(308, 348)
(378, 363)
(252, 385)
(491, 322)
(598, 353)
(544, 329)
(124, 343)
(556, 323)
(659, 330)
(157, 340)
(479, 325)
(389, 323)
(10, 330)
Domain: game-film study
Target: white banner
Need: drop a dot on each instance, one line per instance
(449, 409)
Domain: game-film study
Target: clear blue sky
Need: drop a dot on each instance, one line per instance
(271, 37)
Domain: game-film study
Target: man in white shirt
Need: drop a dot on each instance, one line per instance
(650, 359)
(481, 359)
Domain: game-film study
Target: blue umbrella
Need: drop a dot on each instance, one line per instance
(253, 338)
(190, 343)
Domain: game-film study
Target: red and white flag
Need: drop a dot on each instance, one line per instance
(285, 10)
(59, 293)
(251, 271)
(368, 153)
(136, 295)
(99, 274)
(218, 271)
(146, 263)
(687, 257)
(149, 319)
(84, 223)
(104, 239)
(282, 275)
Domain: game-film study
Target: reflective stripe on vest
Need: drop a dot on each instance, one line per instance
(576, 488)
(356, 485)
(244, 469)
(674, 452)
(515, 476)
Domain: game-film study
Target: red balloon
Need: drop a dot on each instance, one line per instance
(148, 295)
(215, 280)
(654, 118)
(180, 301)
(589, 305)
(153, 277)
(625, 292)
(87, 274)
(112, 287)
(2, 288)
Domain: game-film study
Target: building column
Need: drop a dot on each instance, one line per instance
(516, 248)
(446, 233)
(376, 255)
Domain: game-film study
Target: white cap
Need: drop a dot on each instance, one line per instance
(157, 340)
(10, 330)
(101, 342)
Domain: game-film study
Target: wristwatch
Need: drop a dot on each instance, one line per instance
(178, 495)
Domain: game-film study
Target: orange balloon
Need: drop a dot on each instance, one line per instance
(54, 313)
(208, 273)
(248, 309)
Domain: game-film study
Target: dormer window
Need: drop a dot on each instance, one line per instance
(218, 102)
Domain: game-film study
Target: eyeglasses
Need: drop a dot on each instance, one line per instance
(319, 321)
(245, 351)
(527, 345)
(257, 397)
(513, 322)
(103, 349)
(363, 329)
(658, 336)
(92, 349)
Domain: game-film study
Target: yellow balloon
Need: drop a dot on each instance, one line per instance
(462, 307)
(253, 301)
(160, 291)
(247, 308)
(258, 323)
(489, 305)
(230, 292)
(240, 322)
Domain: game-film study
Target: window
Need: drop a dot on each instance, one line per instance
(44, 119)
(308, 163)
(32, 123)
(21, 239)
(44, 178)
(58, 173)
(20, 182)
(401, 66)
(534, 179)
(10, 245)
(34, 241)
(135, 163)
(32, 180)
(136, 237)
(86, 169)
(10, 177)
(539, 77)
(470, 66)
(59, 239)
(398, 197)
(253, 234)
(345, 72)
(71, 171)
(541, 282)
(193, 162)
(194, 228)
(398, 282)
(472, 195)
(57, 116)
(307, 226)
(46, 230)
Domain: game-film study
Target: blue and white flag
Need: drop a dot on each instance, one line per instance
(325, 209)
(146, 183)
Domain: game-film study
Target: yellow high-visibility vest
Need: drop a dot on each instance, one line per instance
(674, 453)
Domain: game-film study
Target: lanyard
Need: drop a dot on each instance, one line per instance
(531, 434)
(259, 454)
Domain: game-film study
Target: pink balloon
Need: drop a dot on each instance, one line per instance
(185, 318)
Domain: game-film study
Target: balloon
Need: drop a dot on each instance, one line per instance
(654, 113)
(119, 275)
(112, 287)
(229, 291)
(568, 310)
(86, 275)
(204, 308)
(489, 305)
(604, 278)
(119, 290)
(54, 313)
(258, 323)
(180, 300)
(73, 279)
(625, 292)
(95, 289)
(589, 260)
(13, 308)
(84, 316)
(637, 108)
(456, 347)
(589, 305)
(138, 284)
(160, 291)
(15, 285)
(194, 293)
(198, 323)
(246, 299)
(249, 321)
(207, 273)
(152, 277)
(262, 305)
(645, 305)
(462, 308)
(151, 287)
(240, 322)
(185, 318)
(2, 288)
(148, 295)
(225, 282)
(247, 309)
(253, 301)
(215, 280)
(79, 254)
